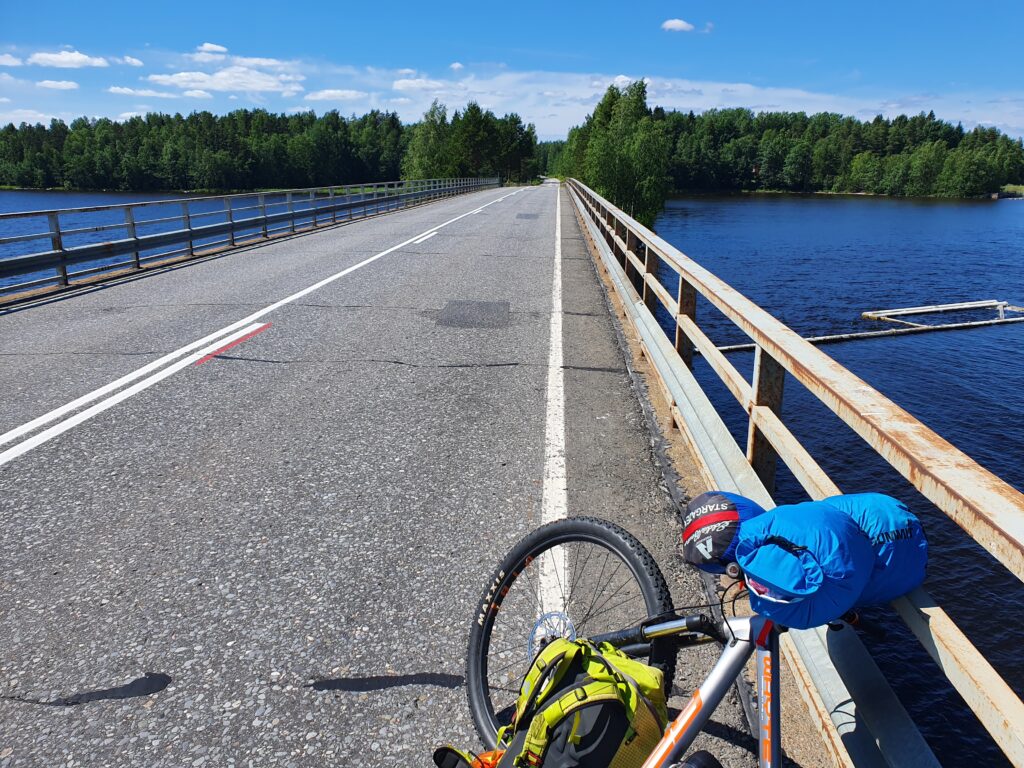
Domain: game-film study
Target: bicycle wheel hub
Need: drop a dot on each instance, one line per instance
(550, 626)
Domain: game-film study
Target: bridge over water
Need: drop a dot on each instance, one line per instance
(249, 500)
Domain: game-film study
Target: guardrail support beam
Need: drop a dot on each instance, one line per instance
(57, 243)
(768, 381)
(129, 225)
(686, 298)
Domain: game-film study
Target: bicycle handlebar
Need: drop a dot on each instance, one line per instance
(655, 627)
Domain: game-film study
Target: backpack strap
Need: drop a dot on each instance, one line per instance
(547, 669)
(564, 706)
(450, 757)
(636, 695)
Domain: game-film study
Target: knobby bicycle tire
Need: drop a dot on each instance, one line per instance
(618, 543)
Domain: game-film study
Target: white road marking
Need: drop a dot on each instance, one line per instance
(221, 334)
(62, 427)
(554, 496)
(426, 237)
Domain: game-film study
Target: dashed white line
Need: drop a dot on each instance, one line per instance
(426, 237)
(220, 337)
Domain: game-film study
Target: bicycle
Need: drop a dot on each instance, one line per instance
(570, 575)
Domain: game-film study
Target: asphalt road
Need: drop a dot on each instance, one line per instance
(289, 538)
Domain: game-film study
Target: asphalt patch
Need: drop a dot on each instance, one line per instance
(527, 215)
(474, 314)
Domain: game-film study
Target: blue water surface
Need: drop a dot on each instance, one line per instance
(817, 263)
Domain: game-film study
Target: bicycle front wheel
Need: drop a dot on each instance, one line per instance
(572, 578)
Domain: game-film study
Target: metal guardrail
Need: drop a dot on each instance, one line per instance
(192, 226)
(987, 508)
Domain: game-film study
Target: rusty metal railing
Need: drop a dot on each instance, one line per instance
(987, 508)
(81, 243)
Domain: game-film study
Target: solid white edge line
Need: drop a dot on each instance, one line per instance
(63, 410)
(69, 423)
(554, 496)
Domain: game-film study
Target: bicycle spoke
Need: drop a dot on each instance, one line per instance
(618, 564)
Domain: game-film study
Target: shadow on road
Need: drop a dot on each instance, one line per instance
(380, 682)
(150, 683)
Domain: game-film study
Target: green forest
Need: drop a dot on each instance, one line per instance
(631, 153)
(255, 149)
(636, 155)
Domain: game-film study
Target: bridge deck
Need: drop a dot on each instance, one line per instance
(321, 502)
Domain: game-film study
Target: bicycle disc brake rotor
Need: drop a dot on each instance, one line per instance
(550, 626)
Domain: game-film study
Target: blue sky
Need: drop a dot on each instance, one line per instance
(548, 61)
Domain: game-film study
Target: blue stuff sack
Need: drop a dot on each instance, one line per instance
(897, 540)
(808, 563)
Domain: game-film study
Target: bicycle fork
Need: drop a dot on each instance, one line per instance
(753, 635)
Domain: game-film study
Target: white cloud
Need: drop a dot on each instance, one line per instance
(66, 60)
(233, 78)
(455, 66)
(17, 116)
(198, 94)
(406, 72)
(257, 61)
(131, 61)
(58, 85)
(129, 115)
(4, 100)
(211, 48)
(708, 28)
(416, 84)
(205, 58)
(676, 25)
(555, 101)
(334, 94)
(6, 60)
(149, 93)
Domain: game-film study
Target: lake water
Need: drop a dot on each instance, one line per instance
(816, 263)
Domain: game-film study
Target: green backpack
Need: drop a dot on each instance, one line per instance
(587, 706)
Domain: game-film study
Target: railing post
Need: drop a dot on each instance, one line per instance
(312, 204)
(768, 380)
(650, 259)
(261, 201)
(57, 243)
(186, 219)
(231, 220)
(291, 210)
(330, 199)
(687, 300)
(129, 225)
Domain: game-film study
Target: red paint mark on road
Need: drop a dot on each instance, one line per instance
(234, 343)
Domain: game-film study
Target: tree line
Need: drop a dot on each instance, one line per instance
(256, 149)
(636, 155)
